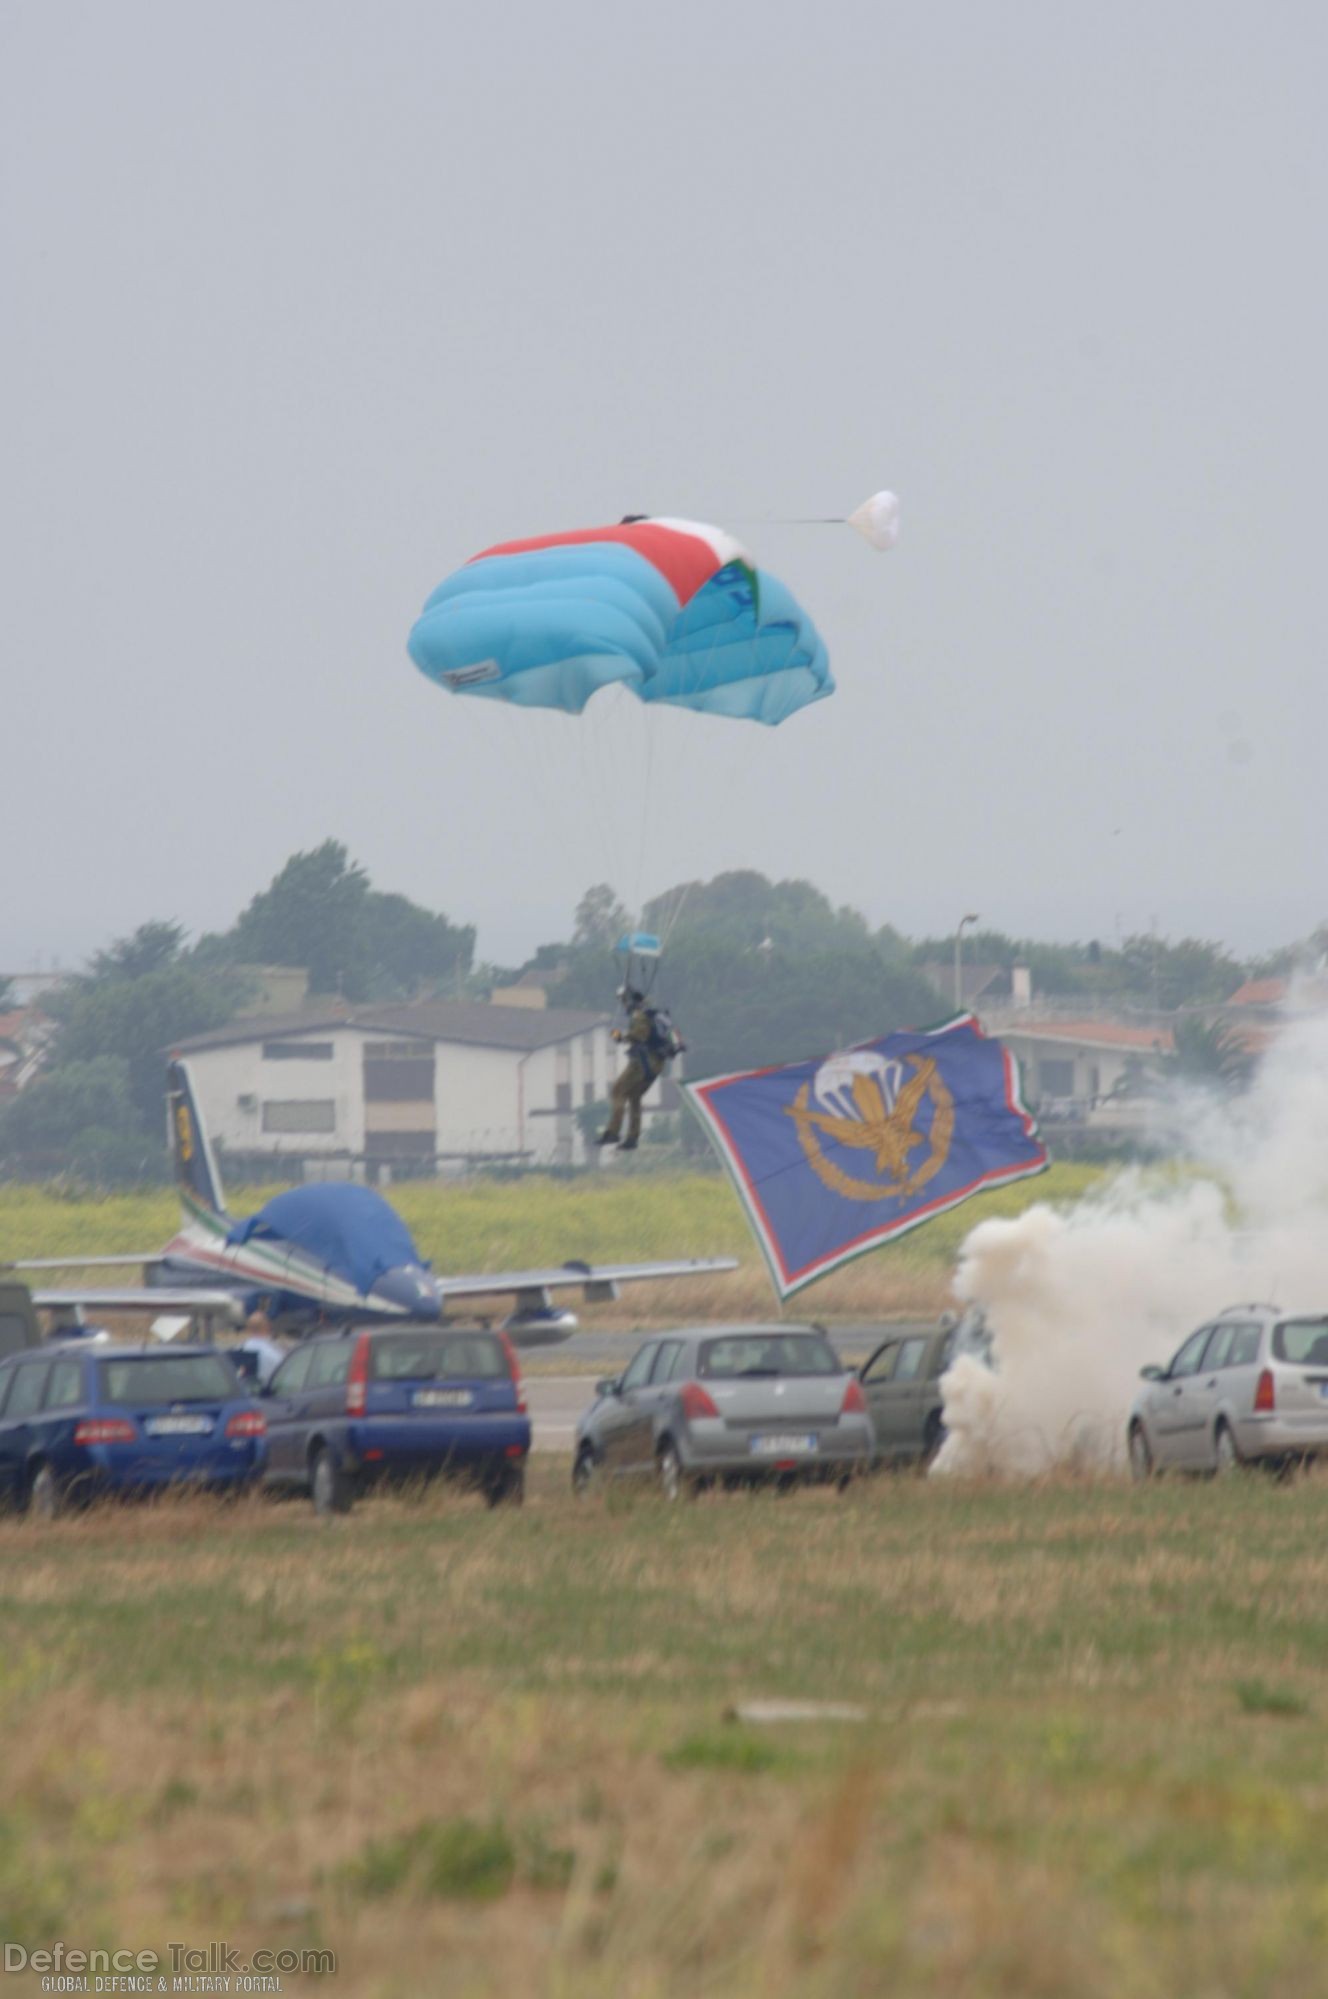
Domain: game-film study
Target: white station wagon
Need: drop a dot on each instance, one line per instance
(1252, 1384)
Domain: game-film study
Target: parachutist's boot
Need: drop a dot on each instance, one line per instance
(607, 1138)
(627, 1145)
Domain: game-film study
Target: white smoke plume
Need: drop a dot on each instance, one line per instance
(1079, 1298)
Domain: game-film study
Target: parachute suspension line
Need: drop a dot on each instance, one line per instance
(647, 783)
(679, 904)
(595, 780)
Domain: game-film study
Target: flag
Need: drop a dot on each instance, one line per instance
(833, 1157)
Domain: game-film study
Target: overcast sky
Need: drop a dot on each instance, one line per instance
(308, 300)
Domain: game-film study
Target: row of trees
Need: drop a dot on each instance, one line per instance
(758, 971)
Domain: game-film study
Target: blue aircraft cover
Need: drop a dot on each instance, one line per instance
(349, 1229)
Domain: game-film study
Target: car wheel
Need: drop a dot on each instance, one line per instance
(586, 1473)
(329, 1485)
(672, 1480)
(508, 1487)
(1226, 1455)
(46, 1496)
(1141, 1457)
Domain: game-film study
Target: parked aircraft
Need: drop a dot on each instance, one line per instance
(328, 1252)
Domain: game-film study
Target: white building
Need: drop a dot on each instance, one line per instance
(1088, 1070)
(433, 1085)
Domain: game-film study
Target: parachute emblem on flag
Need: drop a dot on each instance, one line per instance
(870, 1107)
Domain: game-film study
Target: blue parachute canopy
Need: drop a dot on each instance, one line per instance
(349, 1229)
(638, 944)
(674, 610)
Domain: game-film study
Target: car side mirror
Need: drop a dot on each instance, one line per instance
(609, 1386)
(1152, 1373)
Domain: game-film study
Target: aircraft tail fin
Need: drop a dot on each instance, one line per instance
(196, 1175)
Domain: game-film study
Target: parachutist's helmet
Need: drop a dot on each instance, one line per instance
(630, 996)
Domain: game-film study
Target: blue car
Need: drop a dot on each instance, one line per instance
(363, 1407)
(78, 1419)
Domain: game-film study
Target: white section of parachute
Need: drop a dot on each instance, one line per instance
(877, 520)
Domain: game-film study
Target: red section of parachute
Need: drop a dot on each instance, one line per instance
(685, 561)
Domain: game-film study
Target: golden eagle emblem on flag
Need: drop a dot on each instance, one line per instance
(867, 1102)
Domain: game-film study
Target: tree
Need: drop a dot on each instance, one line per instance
(311, 914)
(320, 912)
(80, 1117)
(1209, 1054)
(136, 1019)
(600, 919)
(410, 950)
(151, 948)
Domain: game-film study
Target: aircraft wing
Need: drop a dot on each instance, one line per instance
(85, 1262)
(599, 1281)
(198, 1303)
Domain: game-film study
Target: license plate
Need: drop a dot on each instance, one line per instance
(782, 1446)
(443, 1398)
(178, 1426)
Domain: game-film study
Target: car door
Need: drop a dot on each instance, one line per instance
(651, 1401)
(907, 1397)
(1240, 1381)
(325, 1384)
(10, 1459)
(876, 1378)
(1205, 1392)
(1177, 1406)
(626, 1417)
(285, 1405)
(21, 1411)
(63, 1401)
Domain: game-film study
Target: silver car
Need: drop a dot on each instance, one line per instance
(727, 1403)
(1252, 1384)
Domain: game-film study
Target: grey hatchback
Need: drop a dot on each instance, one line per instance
(727, 1404)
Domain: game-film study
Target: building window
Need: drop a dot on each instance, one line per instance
(1056, 1079)
(398, 1072)
(300, 1114)
(297, 1051)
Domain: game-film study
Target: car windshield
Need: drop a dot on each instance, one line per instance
(1304, 1342)
(741, 1355)
(437, 1357)
(147, 1381)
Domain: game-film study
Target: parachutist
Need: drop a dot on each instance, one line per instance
(652, 1042)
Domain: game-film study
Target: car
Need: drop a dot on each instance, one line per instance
(726, 1404)
(371, 1405)
(902, 1382)
(79, 1418)
(1249, 1386)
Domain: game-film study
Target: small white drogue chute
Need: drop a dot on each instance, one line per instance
(877, 520)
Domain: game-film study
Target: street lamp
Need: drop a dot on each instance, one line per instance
(964, 923)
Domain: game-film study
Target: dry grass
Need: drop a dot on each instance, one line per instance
(482, 1753)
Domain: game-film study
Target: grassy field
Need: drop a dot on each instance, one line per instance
(489, 1225)
(483, 1753)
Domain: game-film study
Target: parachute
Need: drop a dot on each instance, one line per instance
(671, 609)
(673, 612)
